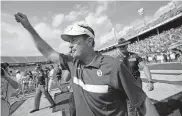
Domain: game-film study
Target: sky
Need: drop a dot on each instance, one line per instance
(50, 18)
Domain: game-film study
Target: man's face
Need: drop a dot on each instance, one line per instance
(123, 49)
(79, 46)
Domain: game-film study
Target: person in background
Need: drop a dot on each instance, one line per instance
(30, 74)
(59, 73)
(53, 79)
(19, 80)
(31, 85)
(24, 83)
(8, 85)
(165, 57)
(41, 88)
(133, 62)
(169, 56)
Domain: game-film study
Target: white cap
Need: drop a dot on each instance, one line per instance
(76, 29)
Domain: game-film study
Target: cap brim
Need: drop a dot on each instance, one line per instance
(122, 44)
(68, 36)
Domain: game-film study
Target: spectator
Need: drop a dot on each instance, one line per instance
(59, 73)
(53, 80)
(41, 88)
(24, 83)
(19, 80)
(31, 85)
(7, 86)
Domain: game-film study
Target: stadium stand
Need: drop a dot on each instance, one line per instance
(164, 17)
(8, 59)
(20, 59)
(32, 58)
(156, 37)
(157, 43)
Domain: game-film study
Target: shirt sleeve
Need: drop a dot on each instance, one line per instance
(66, 61)
(123, 80)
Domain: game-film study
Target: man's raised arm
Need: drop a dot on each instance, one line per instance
(41, 45)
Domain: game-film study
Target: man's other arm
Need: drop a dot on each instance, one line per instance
(135, 94)
(146, 70)
(147, 73)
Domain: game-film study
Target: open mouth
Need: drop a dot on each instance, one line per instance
(73, 50)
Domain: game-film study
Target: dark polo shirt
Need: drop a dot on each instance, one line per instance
(101, 88)
(134, 61)
(41, 78)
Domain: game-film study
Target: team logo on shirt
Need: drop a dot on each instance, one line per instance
(99, 73)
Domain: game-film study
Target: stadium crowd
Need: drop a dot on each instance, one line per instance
(158, 44)
(171, 13)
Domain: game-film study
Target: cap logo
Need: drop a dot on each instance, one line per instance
(99, 73)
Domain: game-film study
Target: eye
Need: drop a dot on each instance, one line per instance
(73, 39)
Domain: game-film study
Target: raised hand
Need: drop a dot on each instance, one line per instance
(22, 18)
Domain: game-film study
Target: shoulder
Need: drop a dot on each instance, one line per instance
(134, 55)
(111, 61)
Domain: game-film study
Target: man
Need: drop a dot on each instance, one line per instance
(24, 83)
(101, 84)
(41, 88)
(7, 86)
(59, 73)
(133, 61)
(53, 79)
(19, 80)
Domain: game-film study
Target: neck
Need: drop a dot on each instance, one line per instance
(89, 57)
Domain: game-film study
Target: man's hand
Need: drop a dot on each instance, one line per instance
(150, 86)
(21, 18)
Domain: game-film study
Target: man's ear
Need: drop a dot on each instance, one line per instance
(90, 41)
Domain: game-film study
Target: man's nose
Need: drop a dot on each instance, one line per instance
(71, 46)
